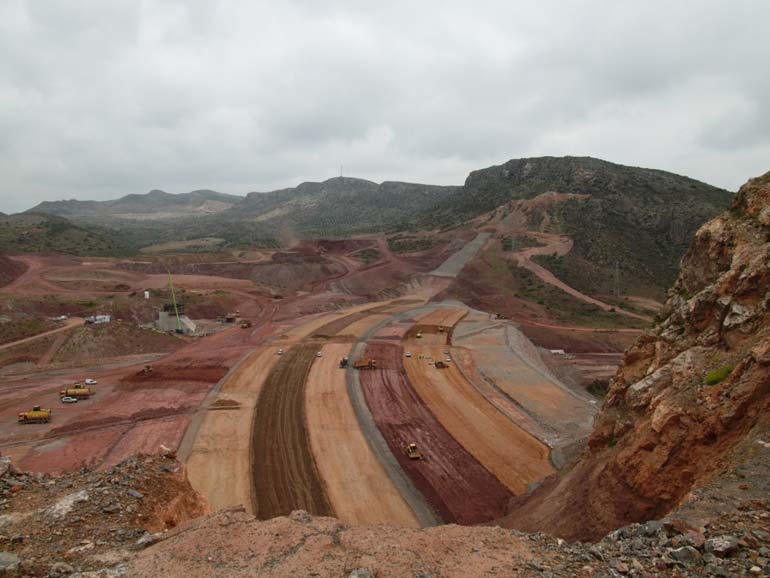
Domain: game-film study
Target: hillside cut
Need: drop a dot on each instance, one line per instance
(690, 389)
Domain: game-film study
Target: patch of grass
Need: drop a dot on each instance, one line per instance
(409, 244)
(565, 307)
(23, 328)
(719, 375)
(519, 242)
(368, 255)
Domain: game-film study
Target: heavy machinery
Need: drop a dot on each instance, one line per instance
(78, 392)
(365, 364)
(412, 452)
(344, 362)
(37, 415)
(419, 335)
(147, 369)
(245, 324)
(441, 365)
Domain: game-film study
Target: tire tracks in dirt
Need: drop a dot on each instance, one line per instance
(284, 473)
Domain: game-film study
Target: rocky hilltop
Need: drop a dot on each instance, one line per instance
(689, 392)
(637, 220)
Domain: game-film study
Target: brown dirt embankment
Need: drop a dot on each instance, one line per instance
(10, 270)
(284, 473)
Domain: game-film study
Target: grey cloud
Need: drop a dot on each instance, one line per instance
(102, 99)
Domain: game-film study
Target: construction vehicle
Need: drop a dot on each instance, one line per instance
(441, 365)
(147, 369)
(37, 415)
(419, 335)
(245, 324)
(412, 452)
(344, 362)
(78, 392)
(365, 364)
(441, 329)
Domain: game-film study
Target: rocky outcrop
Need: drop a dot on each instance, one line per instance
(89, 523)
(689, 390)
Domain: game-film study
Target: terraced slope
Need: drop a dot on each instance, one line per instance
(453, 482)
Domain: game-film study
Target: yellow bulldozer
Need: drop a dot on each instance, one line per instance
(412, 452)
(37, 415)
(78, 392)
(365, 364)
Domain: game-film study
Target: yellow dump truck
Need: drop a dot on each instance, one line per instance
(78, 392)
(37, 415)
(365, 364)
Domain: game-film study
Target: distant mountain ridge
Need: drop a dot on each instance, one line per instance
(178, 206)
(634, 221)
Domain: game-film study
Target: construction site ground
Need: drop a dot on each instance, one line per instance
(281, 432)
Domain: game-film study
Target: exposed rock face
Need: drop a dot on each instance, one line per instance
(689, 390)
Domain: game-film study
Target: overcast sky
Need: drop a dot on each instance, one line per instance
(103, 98)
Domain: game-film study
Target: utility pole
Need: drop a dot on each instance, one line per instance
(616, 281)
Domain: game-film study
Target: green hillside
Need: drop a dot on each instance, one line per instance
(36, 233)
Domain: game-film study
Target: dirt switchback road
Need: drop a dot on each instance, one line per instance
(72, 322)
(560, 245)
(284, 472)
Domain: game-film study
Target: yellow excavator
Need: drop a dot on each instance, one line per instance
(37, 415)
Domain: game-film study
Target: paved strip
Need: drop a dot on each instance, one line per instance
(455, 263)
(422, 511)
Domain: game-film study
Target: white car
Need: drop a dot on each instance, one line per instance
(90, 381)
(447, 360)
(68, 399)
(408, 354)
(280, 352)
(318, 354)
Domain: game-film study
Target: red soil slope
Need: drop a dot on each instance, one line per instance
(454, 483)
